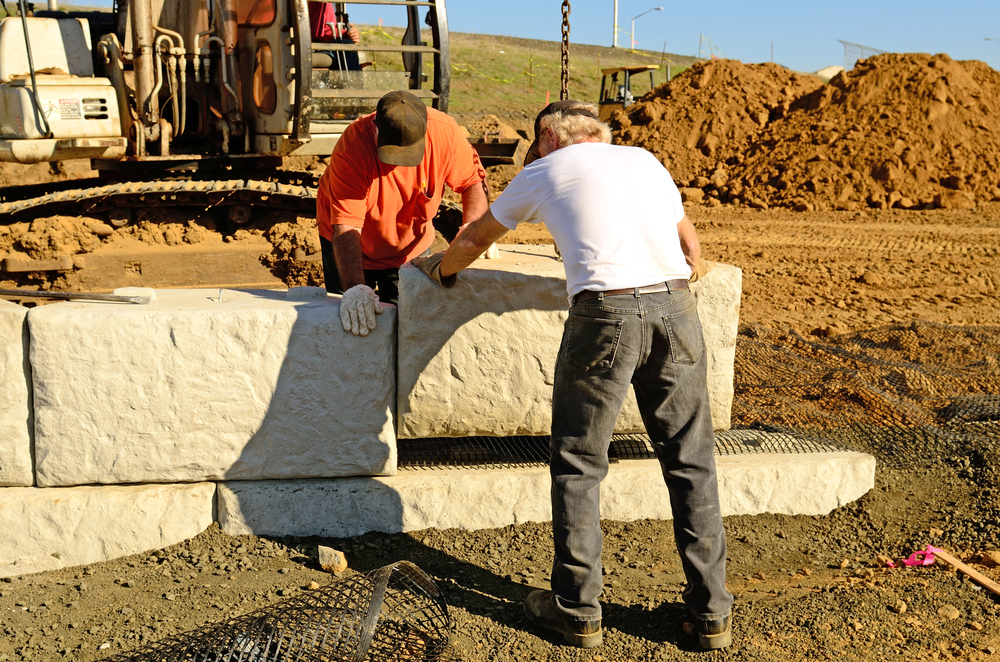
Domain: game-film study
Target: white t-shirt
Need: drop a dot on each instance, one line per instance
(612, 210)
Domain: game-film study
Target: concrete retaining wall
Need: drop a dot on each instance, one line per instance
(45, 529)
(479, 358)
(15, 398)
(190, 388)
(793, 484)
(262, 391)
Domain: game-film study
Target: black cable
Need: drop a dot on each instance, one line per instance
(31, 68)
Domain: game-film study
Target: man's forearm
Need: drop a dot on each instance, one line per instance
(689, 241)
(347, 254)
(471, 242)
(475, 202)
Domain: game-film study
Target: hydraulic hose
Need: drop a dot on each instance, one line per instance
(31, 68)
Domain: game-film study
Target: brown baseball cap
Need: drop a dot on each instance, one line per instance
(401, 119)
(567, 107)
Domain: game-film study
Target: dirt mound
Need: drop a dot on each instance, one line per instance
(55, 236)
(166, 231)
(708, 113)
(295, 257)
(899, 130)
(492, 126)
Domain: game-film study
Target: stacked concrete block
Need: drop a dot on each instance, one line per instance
(479, 358)
(15, 397)
(793, 484)
(45, 529)
(209, 385)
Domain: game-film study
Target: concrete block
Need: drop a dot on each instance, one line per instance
(191, 387)
(793, 484)
(47, 528)
(479, 359)
(345, 507)
(15, 397)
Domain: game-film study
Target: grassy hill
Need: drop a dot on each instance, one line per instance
(508, 76)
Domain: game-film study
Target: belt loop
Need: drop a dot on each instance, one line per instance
(669, 290)
(600, 297)
(636, 293)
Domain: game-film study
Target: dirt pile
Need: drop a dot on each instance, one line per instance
(56, 236)
(705, 115)
(295, 257)
(490, 126)
(899, 130)
(902, 131)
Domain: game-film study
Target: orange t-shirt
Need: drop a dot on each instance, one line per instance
(393, 205)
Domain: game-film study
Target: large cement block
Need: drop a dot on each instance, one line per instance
(191, 388)
(793, 484)
(479, 359)
(15, 397)
(47, 528)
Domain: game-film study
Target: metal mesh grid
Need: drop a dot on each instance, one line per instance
(393, 613)
(505, 452)
(909, 394)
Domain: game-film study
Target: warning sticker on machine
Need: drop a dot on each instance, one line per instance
(70, 109)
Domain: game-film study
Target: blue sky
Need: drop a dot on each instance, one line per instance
(804, 32)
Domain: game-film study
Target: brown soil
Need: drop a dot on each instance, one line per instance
(898, 130)
(15, 174)
(807, 588)
(830, 272)
(709, 112)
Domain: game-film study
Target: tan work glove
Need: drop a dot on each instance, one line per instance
(431, 266)
(699, 270)
(358, 308)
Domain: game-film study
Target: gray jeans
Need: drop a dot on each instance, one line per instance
(654, 342)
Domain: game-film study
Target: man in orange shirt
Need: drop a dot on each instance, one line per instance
(378, 197)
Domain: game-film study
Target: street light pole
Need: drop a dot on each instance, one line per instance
(635, 17)
(614, 40)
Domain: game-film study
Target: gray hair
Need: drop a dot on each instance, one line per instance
(571, 128)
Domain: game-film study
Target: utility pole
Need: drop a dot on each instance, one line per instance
(614, 40)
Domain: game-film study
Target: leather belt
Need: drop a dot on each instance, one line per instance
(669, 286)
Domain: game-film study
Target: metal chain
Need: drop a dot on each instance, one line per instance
(564, 92)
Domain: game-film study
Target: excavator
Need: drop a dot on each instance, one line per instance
(195, 102)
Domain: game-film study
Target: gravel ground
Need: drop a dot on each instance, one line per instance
(807, 587)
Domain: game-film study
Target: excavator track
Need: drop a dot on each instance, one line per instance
(136, 195)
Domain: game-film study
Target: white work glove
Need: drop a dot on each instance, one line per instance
(358, 308)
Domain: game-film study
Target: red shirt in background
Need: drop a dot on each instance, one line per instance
(393, 205)
(321, 13)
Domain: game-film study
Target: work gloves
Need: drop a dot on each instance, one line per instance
(699, 270)
(431, 266)
(358, 308)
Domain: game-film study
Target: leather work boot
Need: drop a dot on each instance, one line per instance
(540, 607)
(712, 634)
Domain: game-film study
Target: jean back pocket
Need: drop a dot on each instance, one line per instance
(683, 328)
(592, 342)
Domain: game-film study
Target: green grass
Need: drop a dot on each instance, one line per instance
(491, 74)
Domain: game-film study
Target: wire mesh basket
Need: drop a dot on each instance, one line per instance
(393, 613)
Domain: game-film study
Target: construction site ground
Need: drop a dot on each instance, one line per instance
(806, 587)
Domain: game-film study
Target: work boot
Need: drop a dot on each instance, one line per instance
(540, 607)
(712, 634)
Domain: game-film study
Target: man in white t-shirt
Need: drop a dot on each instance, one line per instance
(628, 249)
